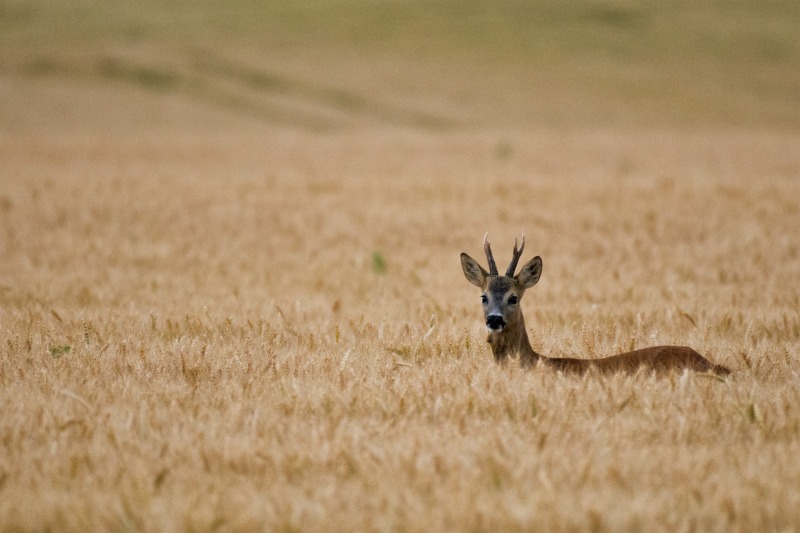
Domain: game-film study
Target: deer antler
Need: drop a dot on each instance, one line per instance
(489, 257)
(515, 259)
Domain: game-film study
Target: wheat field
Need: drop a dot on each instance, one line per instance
(231, 296)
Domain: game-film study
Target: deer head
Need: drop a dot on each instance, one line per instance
(502, 294)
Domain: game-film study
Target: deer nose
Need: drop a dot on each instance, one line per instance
(495, 322)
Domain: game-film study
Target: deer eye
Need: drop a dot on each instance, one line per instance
(513, 300)
(484, 299)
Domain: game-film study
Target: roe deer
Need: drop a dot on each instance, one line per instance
(507, 336)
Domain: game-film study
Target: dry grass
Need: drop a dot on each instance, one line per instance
(197, 335)
(230, 292)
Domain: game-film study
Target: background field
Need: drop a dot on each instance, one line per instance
(230, 293)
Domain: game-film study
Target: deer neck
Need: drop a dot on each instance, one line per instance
(511, 341)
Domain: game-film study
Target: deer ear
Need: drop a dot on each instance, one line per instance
(529, 274)
(474, 273)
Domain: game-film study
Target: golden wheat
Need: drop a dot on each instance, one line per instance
(230, 290)
(218, 332)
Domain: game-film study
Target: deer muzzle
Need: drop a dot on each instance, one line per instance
(495, 323)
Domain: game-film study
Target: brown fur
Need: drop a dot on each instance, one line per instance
(512, 338)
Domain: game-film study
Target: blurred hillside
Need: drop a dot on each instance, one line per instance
(84, 66)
